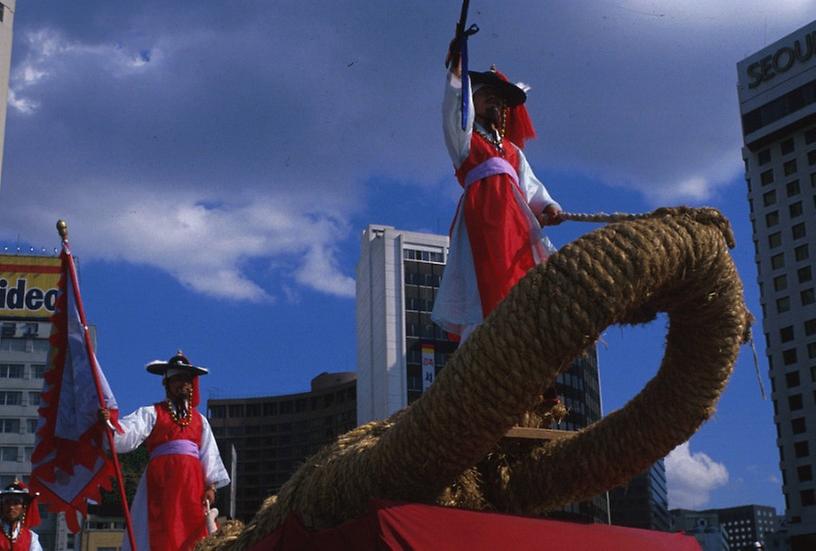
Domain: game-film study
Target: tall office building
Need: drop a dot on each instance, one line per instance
(274, 434)
(643, 502)
(6, 26)
(777, 95)
(400, 350)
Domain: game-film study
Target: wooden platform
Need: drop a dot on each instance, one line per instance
(537, 434)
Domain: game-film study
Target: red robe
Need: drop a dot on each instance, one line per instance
(175, 486)
(498, 229)
(22, 543)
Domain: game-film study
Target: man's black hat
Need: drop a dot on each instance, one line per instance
(177, 365)
(17, 490)
(512, 94)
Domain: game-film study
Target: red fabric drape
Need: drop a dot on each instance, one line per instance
(402, 526)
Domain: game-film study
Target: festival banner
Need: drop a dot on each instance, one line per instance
(428, 366)
(28, 286)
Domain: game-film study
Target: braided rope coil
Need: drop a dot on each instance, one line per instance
(445, 448)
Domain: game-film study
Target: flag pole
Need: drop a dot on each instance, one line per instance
(62, 229)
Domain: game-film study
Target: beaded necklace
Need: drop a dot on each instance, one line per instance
(180, 420)
(495, 139)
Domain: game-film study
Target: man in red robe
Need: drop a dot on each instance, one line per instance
(171, 503)
(19, 513)
(496, 233)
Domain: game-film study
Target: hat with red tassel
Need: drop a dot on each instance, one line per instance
(518, 127)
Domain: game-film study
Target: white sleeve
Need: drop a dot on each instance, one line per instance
(214, 471)
(536, 194)
(137, 426)
(35, 542)
(456, 140)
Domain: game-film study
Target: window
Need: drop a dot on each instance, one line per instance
(772, 219)
(789, 167)
(7, 330)
(801, 253)
(11, 398)
(780, 283)
(37, 371)
(786, 146)
(792, 379)
(8, 453)
(798, 231)
(789, 358)
(782, 304)
(811, 348)
(801, 449)
(236, 410)
(804, 274)
(786, 334)
(218, 412)
(795, 209)
(810, 327)
(764, 157)
(807, 297)
(810, 135)
(805, 473)
(28, 452)
(775, 239)
(769, 198)
(11, 371)
(808, 497)
(795, 402)
(31, 425)
(778, 261)
(767, 177)
(798, 425)
(792, 188)
(10, 425)
(34, 398)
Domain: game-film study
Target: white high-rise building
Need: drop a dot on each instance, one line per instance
(6, 26)
(399, 348)
(777, 95)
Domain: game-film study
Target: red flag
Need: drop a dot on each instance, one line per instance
(70, 463)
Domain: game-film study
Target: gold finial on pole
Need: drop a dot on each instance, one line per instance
(62, 229)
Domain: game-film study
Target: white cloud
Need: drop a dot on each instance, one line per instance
(691, 477)
(319, 271)
(23, 105)
(205, 244)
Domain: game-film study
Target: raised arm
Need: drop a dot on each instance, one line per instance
(456, 140)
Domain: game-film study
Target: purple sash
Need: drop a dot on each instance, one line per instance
(176, 447)
(490, 167)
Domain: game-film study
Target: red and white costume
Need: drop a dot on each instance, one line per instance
(24, 539)
(495, 237)
(167, 511)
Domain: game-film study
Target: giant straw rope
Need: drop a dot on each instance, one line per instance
(445, 448)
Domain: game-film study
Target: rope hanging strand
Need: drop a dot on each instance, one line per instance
(446, 448)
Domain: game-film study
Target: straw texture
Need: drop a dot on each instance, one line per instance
(447, 447)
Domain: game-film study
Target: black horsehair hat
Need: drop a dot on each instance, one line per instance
(15, 489)
(511, 93)
(177, 365)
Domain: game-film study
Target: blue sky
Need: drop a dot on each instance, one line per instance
(217, 162)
